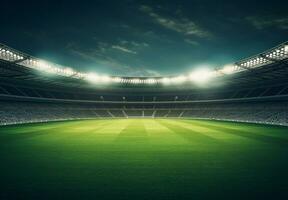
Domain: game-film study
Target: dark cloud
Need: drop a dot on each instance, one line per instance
(191, 42)
(123, 49)
(181, 25)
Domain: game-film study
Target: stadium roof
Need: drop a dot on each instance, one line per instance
(21, 66)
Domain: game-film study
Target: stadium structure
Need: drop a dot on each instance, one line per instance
(212, 134)
(254, 89)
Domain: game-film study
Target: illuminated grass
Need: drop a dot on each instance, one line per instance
(143, 159)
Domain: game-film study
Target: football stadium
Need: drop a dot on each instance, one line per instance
(166, 137)
(210, 133)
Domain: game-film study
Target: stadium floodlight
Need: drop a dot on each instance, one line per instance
(105, 79)
(55, 70)
(286, 48)
(46, 67)
(165, 80)
(117, 79)
(92, 77)
(79, 75)
(68, 71)
(19, 57)
(42, 65)
(178, 79)
(201, 76)
(150, 81)
(125, 80)
(135, 81)
(228, 69)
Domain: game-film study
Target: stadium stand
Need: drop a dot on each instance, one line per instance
(257, 93)
(271, 112)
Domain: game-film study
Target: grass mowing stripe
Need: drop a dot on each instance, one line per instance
(35, 133)
(247, 134)
(133, 133)
(265, 129)
(23, 128)
(210, 132)
(156, 132)
(190, 135)
(217, 133)
(109, 132)
(77, 132)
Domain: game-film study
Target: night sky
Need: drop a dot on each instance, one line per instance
(143, 38)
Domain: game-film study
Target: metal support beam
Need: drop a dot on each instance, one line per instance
(272, 59)
(243, 67)
(20, 60)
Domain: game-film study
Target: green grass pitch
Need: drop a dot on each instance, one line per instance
(143, 159)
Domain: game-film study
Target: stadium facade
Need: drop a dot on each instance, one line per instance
(251, 90)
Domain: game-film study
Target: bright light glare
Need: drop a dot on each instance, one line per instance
(286, 48)
(228, 69)
(117, 79)
(105, 79)
(42, 65)
(150, 81)
(47, 67)
(179, 79)
(165, 80)
(79, 75)
(95, 78)
(68, 71)
(92, 77)
(201, 76)
(136, 81)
